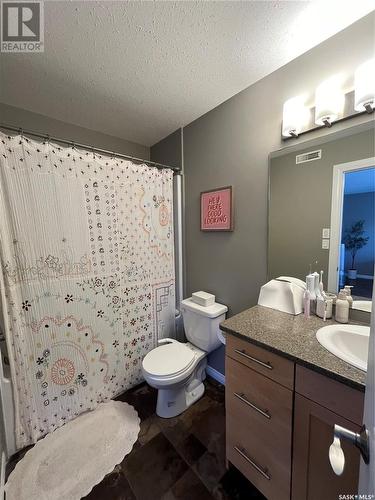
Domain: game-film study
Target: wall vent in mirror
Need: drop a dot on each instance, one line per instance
(310, 156)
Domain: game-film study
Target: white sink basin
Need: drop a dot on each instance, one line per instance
(347, 342)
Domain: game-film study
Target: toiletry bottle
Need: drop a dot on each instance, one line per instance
(319, 301)
(306, 303)
(321, 287)
(348, 291)
(324, 307)
(328, 308)
(318, 293)
(320, 306)
(342, 308)
(310, 286)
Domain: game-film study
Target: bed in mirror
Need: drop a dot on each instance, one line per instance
(322, 212)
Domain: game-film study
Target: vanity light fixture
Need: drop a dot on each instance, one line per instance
(329, 101)
(364, 87)
(295, 116)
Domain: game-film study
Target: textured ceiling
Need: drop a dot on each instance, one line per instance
(139, 70)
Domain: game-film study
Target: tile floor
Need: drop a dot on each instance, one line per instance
(182, 458)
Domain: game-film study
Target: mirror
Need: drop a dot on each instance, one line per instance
(322, 212)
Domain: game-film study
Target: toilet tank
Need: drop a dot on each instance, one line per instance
(201, 323)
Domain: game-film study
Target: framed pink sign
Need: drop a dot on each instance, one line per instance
(217, 209)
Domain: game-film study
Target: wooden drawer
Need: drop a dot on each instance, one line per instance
(262, 361)
(263, 403)
(259, 429)
(253, 453)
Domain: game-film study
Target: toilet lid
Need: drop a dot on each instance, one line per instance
(168, 359)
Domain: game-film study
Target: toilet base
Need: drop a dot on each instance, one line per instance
(174, 401)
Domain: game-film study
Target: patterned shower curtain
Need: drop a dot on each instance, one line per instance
(87, 281)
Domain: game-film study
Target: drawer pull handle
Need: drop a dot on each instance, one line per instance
(262, 471)
(242, 398)
(262, 363)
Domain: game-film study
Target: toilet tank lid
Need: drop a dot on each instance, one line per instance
(212, 311)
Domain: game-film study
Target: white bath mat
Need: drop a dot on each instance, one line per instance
(69, 462)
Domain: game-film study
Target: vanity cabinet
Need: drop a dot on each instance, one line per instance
(320, 403)
(279, 424)
(259, 412)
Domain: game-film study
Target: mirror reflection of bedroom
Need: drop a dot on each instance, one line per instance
(357, 251)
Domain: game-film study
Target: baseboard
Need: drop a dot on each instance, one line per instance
(216, 375)
(2, 476)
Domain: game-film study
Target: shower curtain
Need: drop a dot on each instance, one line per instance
(87, 281)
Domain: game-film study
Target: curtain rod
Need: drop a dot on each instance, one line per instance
(21, 131)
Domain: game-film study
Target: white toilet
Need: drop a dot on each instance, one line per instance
(177, 369)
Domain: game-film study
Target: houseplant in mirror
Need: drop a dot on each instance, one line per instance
(354, 239)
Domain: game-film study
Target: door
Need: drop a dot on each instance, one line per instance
(313, 477)
(367, 471)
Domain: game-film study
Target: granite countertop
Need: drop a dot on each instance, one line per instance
(293, 337)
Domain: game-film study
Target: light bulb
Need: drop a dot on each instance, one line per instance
(329, 101)
(364, 87)
(295, 116)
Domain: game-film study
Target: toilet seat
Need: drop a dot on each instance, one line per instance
(169, 360)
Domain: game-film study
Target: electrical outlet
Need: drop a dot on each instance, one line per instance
(326, 232)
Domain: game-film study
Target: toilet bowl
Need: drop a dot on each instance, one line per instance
(178, 369)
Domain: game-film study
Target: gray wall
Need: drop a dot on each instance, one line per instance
(356, 207)
(300, 204)
(18, 117)
(230, 146)
(168, 150)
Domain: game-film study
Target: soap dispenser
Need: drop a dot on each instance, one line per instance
(348, 291)
(342, 308)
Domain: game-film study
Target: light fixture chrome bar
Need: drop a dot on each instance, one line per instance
(319, 127)
(368, 109)
(327, 123)
(47, 137)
